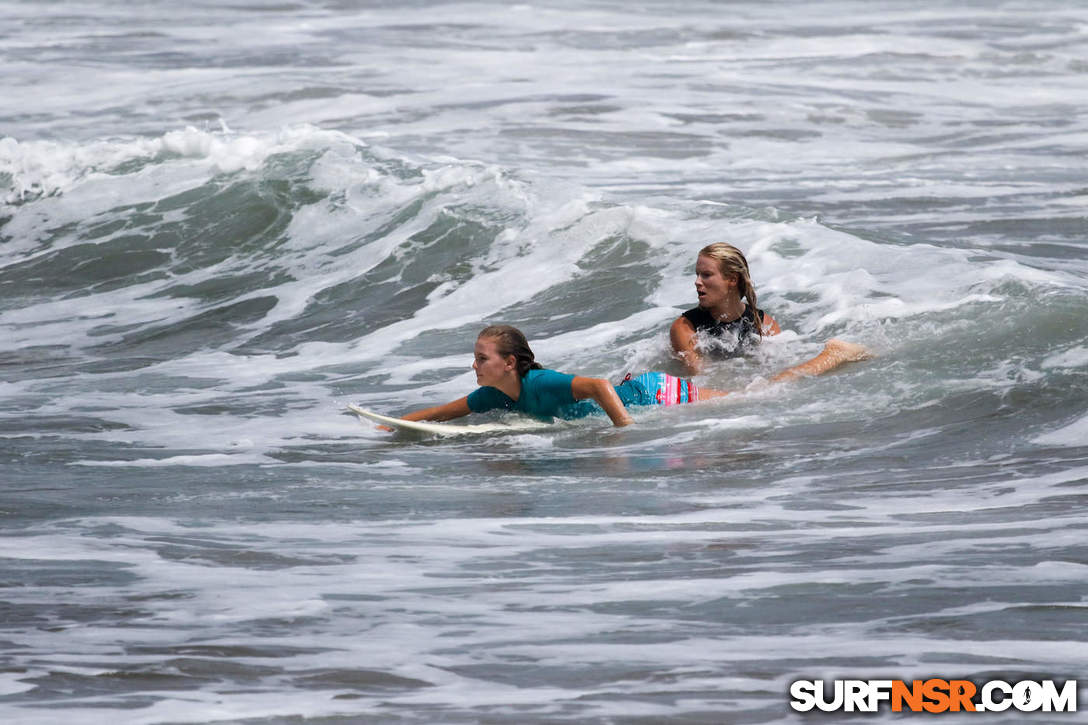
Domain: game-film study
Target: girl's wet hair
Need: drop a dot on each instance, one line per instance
(509, 340)
(731, 262)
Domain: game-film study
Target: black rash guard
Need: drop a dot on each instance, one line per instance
(743, 329)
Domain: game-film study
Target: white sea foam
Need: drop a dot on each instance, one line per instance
(205, 460)
(1074, 434)
(48, 168)
(1074, 357)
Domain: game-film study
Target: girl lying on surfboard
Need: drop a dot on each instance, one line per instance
(511, 379)
(722, 325)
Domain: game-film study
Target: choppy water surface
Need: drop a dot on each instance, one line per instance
(221, 224)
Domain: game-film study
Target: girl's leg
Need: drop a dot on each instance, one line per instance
(835, 353)
(708, 393)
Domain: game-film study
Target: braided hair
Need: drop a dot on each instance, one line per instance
(509, 340)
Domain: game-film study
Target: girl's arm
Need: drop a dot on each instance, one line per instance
(456, 409)
(602, 391)
(682, 337)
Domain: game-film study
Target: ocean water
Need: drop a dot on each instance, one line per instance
(221, 223)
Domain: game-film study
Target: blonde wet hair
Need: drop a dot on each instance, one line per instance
(731, 261)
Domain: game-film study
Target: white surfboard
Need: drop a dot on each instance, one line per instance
(445, 429)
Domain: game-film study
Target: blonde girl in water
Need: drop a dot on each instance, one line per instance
(727, 311)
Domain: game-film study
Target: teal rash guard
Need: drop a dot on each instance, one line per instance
(544, 394)
(547, 394)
